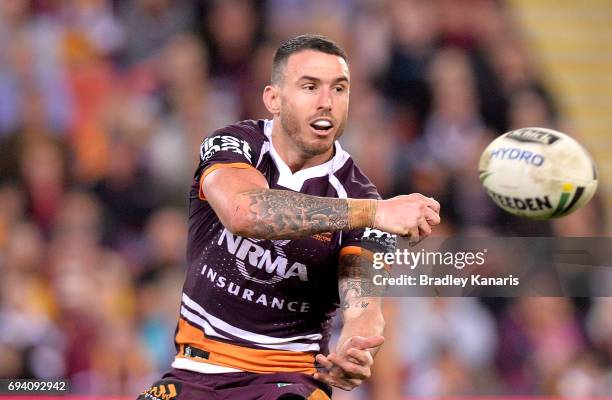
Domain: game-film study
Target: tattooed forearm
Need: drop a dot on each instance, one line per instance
(355, 283)
(289, 215)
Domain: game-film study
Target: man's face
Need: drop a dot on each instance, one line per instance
(314, 96)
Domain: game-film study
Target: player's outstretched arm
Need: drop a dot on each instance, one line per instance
(248, 207)
(363, 324)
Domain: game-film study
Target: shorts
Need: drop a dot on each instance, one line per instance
(179, 384)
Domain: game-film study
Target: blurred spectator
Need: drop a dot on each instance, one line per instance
(194, 107)
(96, 20)
(414, 37)
(446, 346)
(539, 337)
(148, 25)
(455, 135)
(528, 107)
(599, 328)
(586, 377)
(286, 19)
(231, 31)
(12, 208)
(158, 303)
(31, 68)
(454, 129)
(91, 80)
(166, 240)
(369, 119)
(31, 344)
(371, 32)
(260, 70)
(127, 194)
(43, 170)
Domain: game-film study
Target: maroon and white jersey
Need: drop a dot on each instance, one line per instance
(264, 305)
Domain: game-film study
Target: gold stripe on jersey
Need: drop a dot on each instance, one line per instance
(215, 167)
(243, 358)
(361, 252)
(318, 395)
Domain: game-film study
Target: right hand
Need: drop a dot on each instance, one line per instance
(410, 216)
(351, 365)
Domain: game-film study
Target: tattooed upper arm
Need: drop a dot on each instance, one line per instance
(356, 283)
(248, 207)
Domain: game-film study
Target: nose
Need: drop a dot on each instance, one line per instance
(325, 100)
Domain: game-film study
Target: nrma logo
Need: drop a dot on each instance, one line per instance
(252, 257)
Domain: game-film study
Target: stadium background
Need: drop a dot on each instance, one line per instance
(103, 105)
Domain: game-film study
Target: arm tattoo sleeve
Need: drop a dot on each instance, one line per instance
(290, 215)
(355, 282)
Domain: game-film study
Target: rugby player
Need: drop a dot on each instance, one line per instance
(282, 227)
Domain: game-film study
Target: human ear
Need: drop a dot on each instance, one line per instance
(271, 99)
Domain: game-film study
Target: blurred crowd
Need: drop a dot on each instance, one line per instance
(103, 105)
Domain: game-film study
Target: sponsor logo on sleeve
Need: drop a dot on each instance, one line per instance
(377, 238)
(224, 143)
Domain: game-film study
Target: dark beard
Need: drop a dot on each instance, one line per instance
(291, 126)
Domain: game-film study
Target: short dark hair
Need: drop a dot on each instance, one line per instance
(301, 43)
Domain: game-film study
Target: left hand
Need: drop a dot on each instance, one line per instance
(351, 365)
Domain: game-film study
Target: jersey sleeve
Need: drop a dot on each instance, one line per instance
(235, 146)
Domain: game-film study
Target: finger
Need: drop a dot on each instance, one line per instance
(364, 343)
(431, 216)
(346, 369)
(347, 378)
(344, 384)
(323, 361)
(424, 228)
(412, 236)
(361, 357)
(325, 377)
(432, 203)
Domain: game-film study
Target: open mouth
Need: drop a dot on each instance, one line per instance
(322, 125)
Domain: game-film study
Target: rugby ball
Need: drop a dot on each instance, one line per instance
(538, 173)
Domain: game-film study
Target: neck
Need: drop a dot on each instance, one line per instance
(291, 154)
